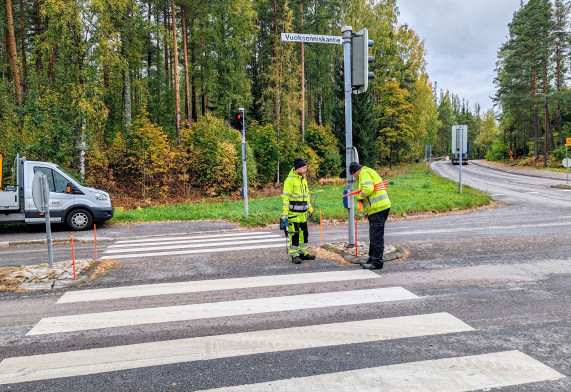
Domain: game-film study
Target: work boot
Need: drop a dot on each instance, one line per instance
(307, 256)
(296, 260)
(373, 265)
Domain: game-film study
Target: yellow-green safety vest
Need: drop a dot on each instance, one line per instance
(373, 201)
(296, 195)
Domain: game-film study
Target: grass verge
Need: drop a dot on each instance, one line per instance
(411, 190)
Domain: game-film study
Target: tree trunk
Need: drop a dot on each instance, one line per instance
(559, 124)
(186, 76)
(105, 75)
(149, 46)
(23, 48)
(167, 67)
(193, 75)
(127, 98)
(126, 86)
(175, 71)
(202, 92)
(13, 51)
(39, 62)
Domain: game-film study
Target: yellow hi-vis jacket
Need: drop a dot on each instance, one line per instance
(373, 201)
(295, 196)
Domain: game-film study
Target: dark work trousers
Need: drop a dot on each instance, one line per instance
(377, 235)
(298, 232)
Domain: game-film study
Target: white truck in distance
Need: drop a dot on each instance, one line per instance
(69, 202)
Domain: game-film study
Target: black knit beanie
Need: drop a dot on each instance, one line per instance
(299, 162)
(354, 168)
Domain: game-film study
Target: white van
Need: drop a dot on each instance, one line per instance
(71, 203)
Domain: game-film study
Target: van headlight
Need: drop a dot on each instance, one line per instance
(100, 196)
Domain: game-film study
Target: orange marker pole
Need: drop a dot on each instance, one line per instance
(72, 255)
(320, 229)
(356, 255)
(95, 235)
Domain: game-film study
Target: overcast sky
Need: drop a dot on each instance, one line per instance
(461, 38)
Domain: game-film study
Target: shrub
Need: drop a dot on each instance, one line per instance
(215, 158)
(324, 143)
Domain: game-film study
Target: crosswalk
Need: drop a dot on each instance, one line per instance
(193, 244)
(448, 374)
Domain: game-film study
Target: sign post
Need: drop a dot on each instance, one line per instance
(460, 146)
(244, 163)
(41, 197)
(566, 161)
(428, 156)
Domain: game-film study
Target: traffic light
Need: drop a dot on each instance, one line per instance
(239, 121)
(360, 60)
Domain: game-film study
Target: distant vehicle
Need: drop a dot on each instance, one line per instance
(455, 158)
(71, 203)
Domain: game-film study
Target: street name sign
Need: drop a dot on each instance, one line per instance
(568, 143)
(312, 38)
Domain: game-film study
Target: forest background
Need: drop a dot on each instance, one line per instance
(138, 97)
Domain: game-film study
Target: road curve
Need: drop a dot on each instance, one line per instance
(509, 187)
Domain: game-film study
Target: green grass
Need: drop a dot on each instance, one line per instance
(411, 191)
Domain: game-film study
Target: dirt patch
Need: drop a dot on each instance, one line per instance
(11, 287)
(321, 253)
(103, 267)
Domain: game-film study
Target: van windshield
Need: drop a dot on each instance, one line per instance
(72, 176)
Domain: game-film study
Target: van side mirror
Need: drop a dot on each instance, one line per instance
(70, 188)
(73, 189)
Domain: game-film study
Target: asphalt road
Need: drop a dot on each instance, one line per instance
(482, 300)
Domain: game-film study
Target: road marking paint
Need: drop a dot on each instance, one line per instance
(147, 248)
(488, 228)
(122, 318)
(213, 285)
(177, 240)
(187, 252)
(100, 360)
(191, 237)
(459, 374)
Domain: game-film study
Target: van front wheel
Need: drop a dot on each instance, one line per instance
(79, 219)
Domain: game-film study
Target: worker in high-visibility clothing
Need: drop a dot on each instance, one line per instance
(377, 206)
(297, 210)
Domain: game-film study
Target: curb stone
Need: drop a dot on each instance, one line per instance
(55, 241)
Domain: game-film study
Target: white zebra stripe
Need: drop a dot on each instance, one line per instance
(99, 360)
(202, 244)
(458, 374)
(197, 236)
(82, 322)
(213, 285)
(194, 251)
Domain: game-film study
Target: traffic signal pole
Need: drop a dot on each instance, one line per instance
(244, 159)
(347, 30)
(356, 61)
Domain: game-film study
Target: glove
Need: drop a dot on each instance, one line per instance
(284, 218)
